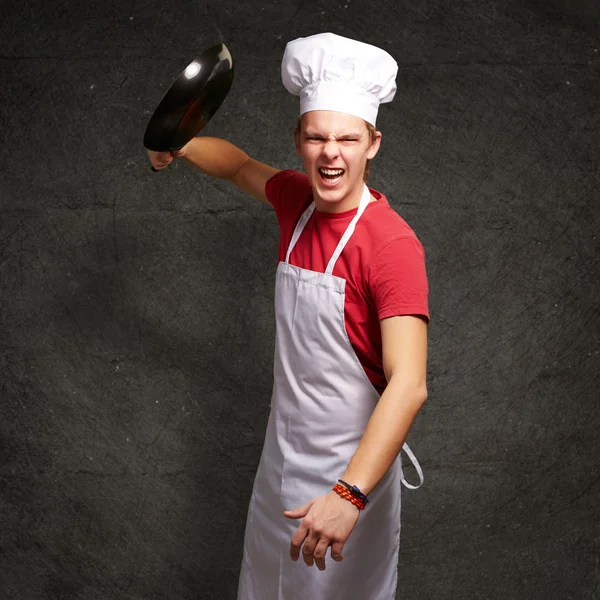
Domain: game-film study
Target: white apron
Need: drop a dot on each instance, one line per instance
(322, 400)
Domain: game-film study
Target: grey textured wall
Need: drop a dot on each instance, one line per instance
(136, 321)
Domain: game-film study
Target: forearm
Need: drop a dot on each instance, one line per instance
(384, 435)
(213, 156)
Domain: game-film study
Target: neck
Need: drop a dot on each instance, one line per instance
(348, 202)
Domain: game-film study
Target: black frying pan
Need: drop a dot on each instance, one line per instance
(191, 101)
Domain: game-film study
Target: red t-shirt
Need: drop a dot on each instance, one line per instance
(383, 262)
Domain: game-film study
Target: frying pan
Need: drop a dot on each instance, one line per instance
(191, 101)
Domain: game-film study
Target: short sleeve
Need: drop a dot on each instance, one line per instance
(286, 184)
(398, 279)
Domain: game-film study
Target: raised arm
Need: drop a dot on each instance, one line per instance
(221, 159)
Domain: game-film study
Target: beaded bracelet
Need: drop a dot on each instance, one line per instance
(355, 491)
(348, 494)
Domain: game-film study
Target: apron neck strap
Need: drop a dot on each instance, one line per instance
(299, 228)
(364, 201)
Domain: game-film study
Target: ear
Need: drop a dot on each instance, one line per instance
(374, 148)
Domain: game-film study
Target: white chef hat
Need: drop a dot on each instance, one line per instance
(331, 72)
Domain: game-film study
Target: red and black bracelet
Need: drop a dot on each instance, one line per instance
(351, 493)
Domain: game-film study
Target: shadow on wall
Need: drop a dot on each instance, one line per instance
(137, 401)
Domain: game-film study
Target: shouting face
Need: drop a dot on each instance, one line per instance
(335, 148)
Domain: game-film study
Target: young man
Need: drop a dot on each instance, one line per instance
(351, 344)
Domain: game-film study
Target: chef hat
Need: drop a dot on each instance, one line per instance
(331, 72)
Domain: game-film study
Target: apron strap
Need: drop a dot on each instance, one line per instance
(364, 201)
(299, 228)
(417, 466)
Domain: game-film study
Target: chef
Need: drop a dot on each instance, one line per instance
(351, 338)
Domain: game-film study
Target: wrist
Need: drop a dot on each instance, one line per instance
(351, 493)
(181, 152)
(343, 502)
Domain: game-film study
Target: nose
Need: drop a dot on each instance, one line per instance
(330, 150)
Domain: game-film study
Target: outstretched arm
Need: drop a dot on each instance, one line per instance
(221, 159)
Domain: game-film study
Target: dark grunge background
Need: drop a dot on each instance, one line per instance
(136, 321)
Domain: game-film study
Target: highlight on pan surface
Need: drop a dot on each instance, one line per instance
(191, 101)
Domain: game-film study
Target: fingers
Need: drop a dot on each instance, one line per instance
(336, 551)
(297, 542)
(314, 551)
(321, 526)
(160, 160)
(307, 542)
(308, 550)
(320, 552)
(313, 548)
(298, 513)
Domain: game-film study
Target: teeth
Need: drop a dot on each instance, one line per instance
(332, 172)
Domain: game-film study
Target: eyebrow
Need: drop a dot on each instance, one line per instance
(310, 133)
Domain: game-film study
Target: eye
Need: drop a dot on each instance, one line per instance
(314, 138)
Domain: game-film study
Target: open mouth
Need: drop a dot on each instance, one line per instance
(331, 176)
